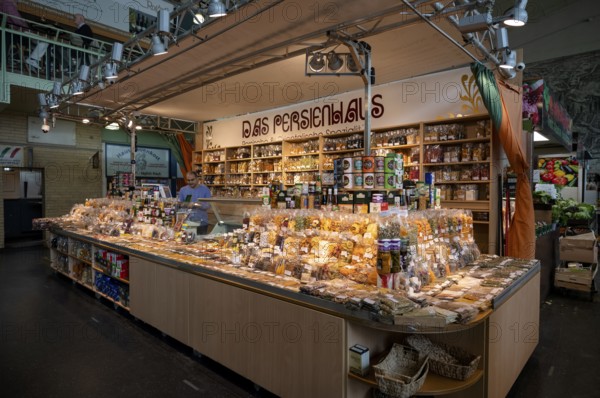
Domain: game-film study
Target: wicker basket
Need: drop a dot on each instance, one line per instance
(462, 368)
(402, 372)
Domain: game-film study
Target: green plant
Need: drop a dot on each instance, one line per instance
(569, 209)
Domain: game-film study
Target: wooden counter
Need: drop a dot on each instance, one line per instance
(296, 345)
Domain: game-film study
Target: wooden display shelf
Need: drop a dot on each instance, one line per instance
(405, 146)
(456, 163)
(344, 151)
(480, 222)
(109, 275)
(267, 157)
(461, 141)
(111, 299)
(298, 155)
(434, 384)
(239, 160)
(88, 262)
(213, 174)
(265, 172)
(302, 171)
(214, 162)
(238, 173)
(463, 182)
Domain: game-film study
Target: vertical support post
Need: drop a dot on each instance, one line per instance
(368, 80)
(133, 148)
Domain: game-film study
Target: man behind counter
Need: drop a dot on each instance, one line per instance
(190, 194)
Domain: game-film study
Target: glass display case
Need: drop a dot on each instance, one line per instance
(227, 214)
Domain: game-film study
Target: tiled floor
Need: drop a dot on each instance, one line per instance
(58, 340)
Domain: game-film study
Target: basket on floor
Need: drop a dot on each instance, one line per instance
(402, 372)
(444, 360)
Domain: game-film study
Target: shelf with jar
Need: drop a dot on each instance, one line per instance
(239, 153)
(349, 142)
(269, 151)
(459, 154)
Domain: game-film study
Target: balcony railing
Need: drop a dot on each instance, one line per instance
(47, 52)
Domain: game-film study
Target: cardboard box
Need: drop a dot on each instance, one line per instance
(345, 202)
(575, 278)
(359, 359)
(580, 248)
(361, 202)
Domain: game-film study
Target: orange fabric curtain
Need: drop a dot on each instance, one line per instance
(186, 153)
(521, 234)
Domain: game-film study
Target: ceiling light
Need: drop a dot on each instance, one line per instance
(52, 101)
(77, 87)
(110, 71)
(501, 39)
(517, 16)
(42, 99)
(334, 61)
(474, 23)
(351, 65)
(198, 18)
(163, 21)
(112, 126)
(85, 120)
(537, 137)
(138, 127)
(117, 52)
(216, 9)
(316, 62)
(84, 73)
(509, 59)
(158, 48)
(57, 88)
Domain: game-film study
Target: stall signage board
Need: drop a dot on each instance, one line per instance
(12, 156)
(149, 162)
(446, 94)
(545, 112)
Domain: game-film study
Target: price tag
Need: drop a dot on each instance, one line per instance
(288, 272)
(368, 255)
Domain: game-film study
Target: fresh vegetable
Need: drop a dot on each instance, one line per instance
(542, 197)
(569, 209)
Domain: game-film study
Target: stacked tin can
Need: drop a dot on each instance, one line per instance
(369, 172)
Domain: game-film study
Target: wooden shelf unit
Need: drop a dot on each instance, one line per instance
(476, 132)
(75, 261)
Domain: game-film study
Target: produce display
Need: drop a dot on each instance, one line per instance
(559, 171)
(566, 211)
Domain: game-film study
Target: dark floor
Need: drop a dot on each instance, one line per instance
(58, 340)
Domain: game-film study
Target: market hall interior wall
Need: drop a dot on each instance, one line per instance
(68, 174)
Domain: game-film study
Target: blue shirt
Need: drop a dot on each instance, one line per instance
(198, 214)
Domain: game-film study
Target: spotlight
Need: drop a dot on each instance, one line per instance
(45, 127)
(57, 88)
(216, 9)
(198, 18)
(474, 23)
(52, 101)
(158, 48)
(117, 52)
(517, 16)
(163, 21)
(112, 126)
(84, 73)
(110, 71)
(316, 62)
(351, 65)
(77, 87)
(42, 99)
(509, 59)
(334, 61)
(501, 39)
(85, 120)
